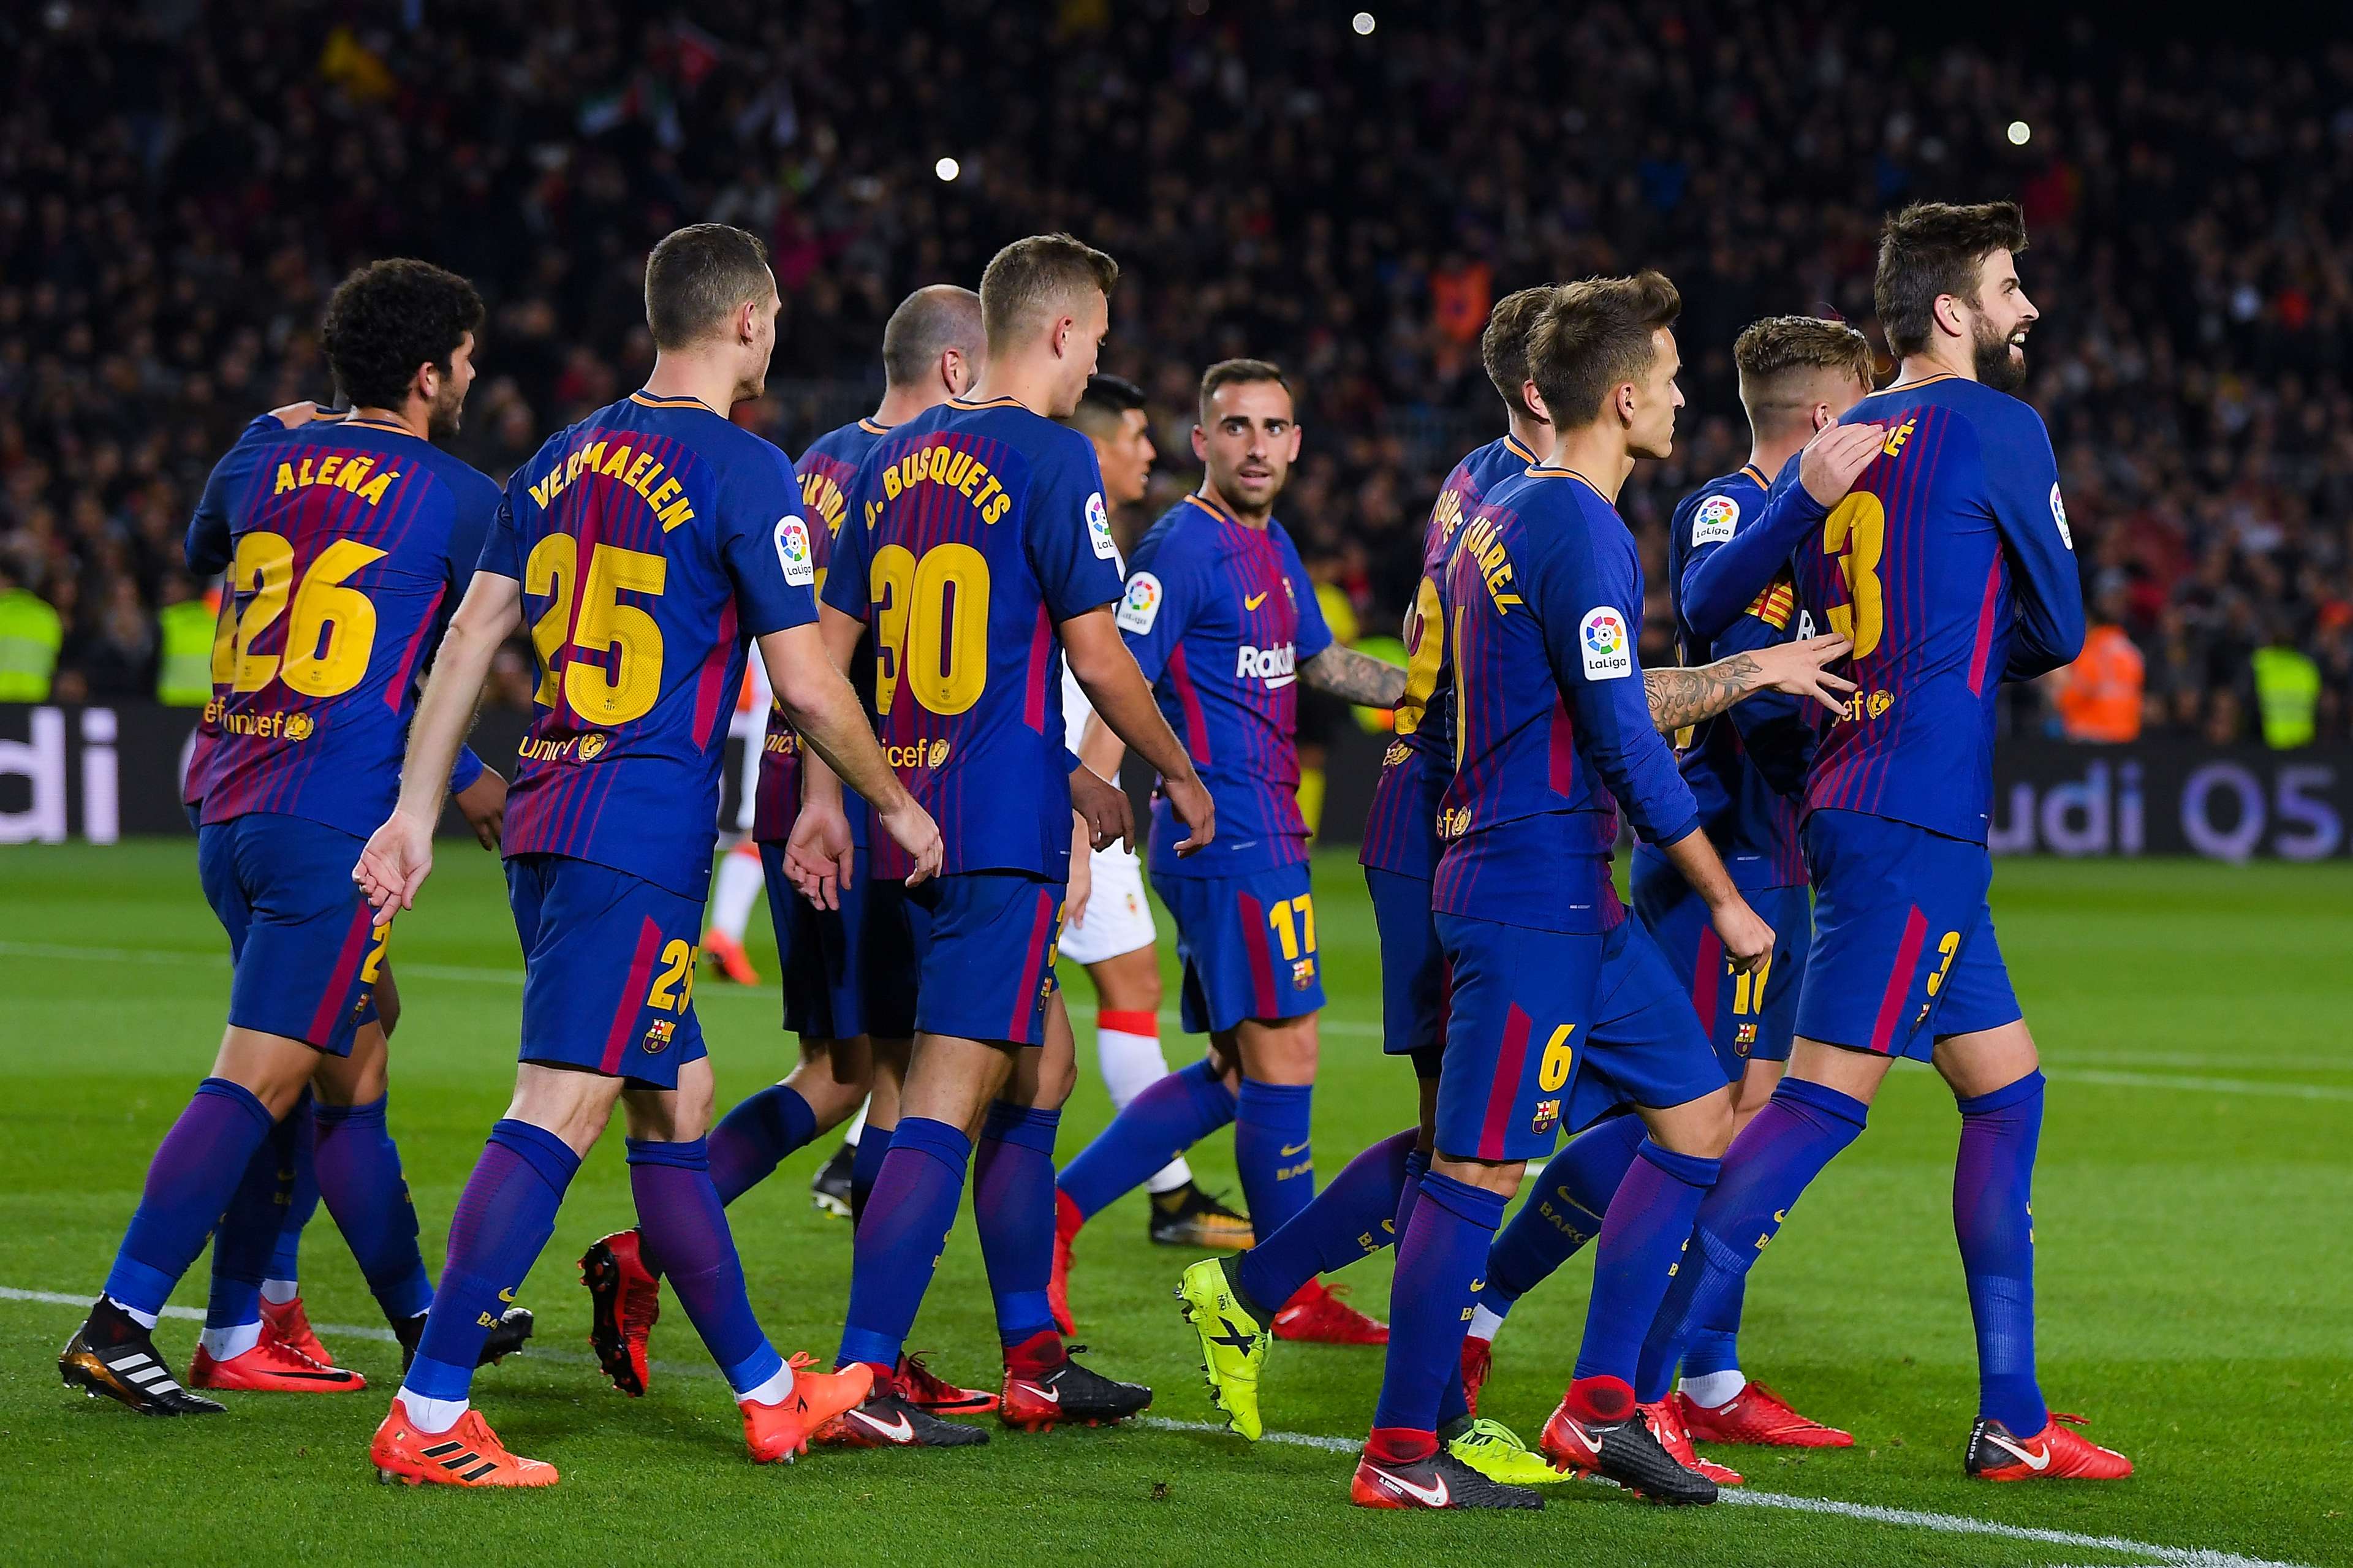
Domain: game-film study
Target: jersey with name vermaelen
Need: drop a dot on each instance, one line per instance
(1220, 617)
(1543, 600)
(347, 543)
(985, 529)
(1744, 766)
(1950, 566)
(829, 473)
(1401, 829)
(651, 539)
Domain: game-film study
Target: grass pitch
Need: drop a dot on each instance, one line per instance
(2195, 1183)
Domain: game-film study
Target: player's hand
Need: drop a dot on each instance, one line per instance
(913, 829)
(1082, 890)
(1747, 940)
(1189, 798)
(1836, 458)
(483, 803)
(1799, 669)
(294, 416)
(819, 856)
(1109, 817)
(395, 862)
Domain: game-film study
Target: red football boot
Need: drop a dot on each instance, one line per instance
(782, 1430)
(1478, 1365)
(1756, 1416)
(925, 1389)
(286, 1323)
(270, 1367)
(727, 955)
(1067, 1221)
(1317, 1316)
(1045, 1388)
(624, 1298)
(2053, 1454)
(1666, 1425)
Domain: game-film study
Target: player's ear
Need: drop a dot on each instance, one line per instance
(1295, 435)
(1623, 400)
(1535, 400)
(1201, 442)
(1950, 318)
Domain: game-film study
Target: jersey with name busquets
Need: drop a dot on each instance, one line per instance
(651, 539)
(827, 472)
(1746, 766)
(1543, 598)
(347, 543)
(1951, 568)
(984, 528)
(1401, 829)
(1220, 617)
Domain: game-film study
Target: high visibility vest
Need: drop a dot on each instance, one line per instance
(185, 677)
(29, 638)
(2288, 692)
(2100, 694)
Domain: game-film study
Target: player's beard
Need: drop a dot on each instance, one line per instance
(1997, 365)
(449, 412)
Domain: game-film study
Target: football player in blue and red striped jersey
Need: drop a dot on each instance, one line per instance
(1797, 376)
(1951, 568)
(1223, 619)
(1562, 1010)
(1229, 1300)
(847, 972)
(642, 547)
(980, 549)
(345, 541)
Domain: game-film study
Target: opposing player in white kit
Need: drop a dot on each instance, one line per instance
(1107, 925)
(739, 881)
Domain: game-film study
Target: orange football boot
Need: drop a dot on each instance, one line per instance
(290, 1325)
(1756, 1416)
(1317, 1315)
(782, 1430)
(728, 956)
(468, 1455)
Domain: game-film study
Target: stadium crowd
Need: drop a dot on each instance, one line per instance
(181, 185)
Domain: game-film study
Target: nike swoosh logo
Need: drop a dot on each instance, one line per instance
(1253, 601)
(1050, 1395)
(1434, 1496)
(2033, 1461)
(1290, 1149)
(1584, 1439)
(900, 1431)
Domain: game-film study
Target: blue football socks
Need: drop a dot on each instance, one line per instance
(900, 1238)
(1350, 1219)
(359, 1173)
(1993, 1217)
(192, 1180)
(683, 1228)
(1442, 1251)
(865, 1164)
(752, 1137)
(504, 1219)
(1642, 1242)
(1013, 1208)
(1158, 1124)
(1565, 1211)
(298, 1188)
(1272, 1150)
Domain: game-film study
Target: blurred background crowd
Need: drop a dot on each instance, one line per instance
(181, 184)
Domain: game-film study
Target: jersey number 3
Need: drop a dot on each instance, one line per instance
(1854, 535)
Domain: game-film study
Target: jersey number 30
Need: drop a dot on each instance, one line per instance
(931, 626)
(1854, 535)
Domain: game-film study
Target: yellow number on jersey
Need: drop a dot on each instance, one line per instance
(1293, 921)
(931, 626)
(1749, 990)
(1551, 1071)
(629, 636)
(324, 610)
(1949, 944)
(673, 988)
(1855, 533)
(1424, 641)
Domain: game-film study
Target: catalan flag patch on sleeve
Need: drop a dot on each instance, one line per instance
(1776, 604)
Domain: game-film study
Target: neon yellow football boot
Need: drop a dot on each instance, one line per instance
(1233, 1343)
(1495, 1451)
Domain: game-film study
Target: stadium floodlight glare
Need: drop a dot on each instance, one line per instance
(947, 168)
(2018, 132)
(1363, 22)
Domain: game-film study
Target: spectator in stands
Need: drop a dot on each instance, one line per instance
(2099, 696)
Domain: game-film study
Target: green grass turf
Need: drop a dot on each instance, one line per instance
(2195, 1181)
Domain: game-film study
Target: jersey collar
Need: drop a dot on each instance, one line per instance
(1923, 381)
(1757, 474)
(869, 424)
(1512, 444)
(354, 422)
(1555, 471)
(966, 402)
(648, 400)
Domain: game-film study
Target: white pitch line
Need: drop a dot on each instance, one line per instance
(1868, 1513)
(2200, 1084)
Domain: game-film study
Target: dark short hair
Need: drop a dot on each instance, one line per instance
(927, 324)
(1594, 336)
(1504, 346)
(1031, 277)
(1237, 373)
(1776, 355)
(698, 276)
(390, 317)
(1105, 402)
(1931, 250)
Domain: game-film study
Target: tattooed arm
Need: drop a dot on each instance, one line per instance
(1681, 696)
(1355, 676)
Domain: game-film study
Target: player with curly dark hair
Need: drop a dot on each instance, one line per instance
(393, 322)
